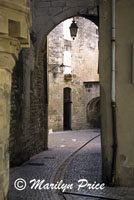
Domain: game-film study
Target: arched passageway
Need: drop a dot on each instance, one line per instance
(89, 10)
(48, 15)
(34, 138)
(31, 84)
(93, 113)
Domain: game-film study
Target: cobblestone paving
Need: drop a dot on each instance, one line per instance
(86, 164)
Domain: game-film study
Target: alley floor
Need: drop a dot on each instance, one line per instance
(68, 160)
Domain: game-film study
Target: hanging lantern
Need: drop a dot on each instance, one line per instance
(62, 68)
(73, 29)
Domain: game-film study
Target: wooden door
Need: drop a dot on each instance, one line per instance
(67, 109)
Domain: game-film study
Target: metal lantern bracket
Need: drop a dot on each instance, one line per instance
(73, 29)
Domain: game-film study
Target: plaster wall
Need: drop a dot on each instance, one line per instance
(105, 82)
(124, 90)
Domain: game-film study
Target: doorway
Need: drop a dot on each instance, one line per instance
(67, 109)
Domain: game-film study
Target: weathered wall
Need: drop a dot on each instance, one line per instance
(29, 118)
(16, 109)
(92, 102)
(84, 67)
(47, 14)
(6, 64)
(13, 15)
(28, 107)
(105, 82)
(124, 92)
(124, 174)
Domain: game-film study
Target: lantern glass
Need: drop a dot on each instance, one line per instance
(73, 29)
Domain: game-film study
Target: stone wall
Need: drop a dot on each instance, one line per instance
(28, 126)
(13, 16)
(92, 99)
(16, 109)
(84, 67)
(28, 107)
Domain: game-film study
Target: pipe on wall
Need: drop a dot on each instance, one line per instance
(132, 67)
(113, 98)
(113, 52)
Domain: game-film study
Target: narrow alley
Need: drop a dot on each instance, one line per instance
(72, 156)
(66, 72)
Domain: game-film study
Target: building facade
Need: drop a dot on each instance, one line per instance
(72, 66)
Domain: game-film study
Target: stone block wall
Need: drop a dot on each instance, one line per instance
(13, 15)
(92, 98)
(29, 116)
(5, 87)
(16, 111)
(28, 107)
(84, 67)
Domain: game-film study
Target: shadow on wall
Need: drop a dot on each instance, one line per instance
(93, 113)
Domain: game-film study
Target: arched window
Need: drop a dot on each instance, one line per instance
(93, 113)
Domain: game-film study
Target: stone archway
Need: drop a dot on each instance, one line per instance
(89, 12)
(47, 15)
(93, 113)
(52, 14)
(56, 12)
(69, 9)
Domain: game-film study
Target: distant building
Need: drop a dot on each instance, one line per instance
(73, 77)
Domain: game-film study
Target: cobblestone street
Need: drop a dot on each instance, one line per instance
(65, 161)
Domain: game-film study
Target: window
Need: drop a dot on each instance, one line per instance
(66, 28)
(67, 62)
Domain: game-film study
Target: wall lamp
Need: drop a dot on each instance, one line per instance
(73, 29)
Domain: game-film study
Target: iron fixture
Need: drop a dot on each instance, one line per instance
(73, 29)
(62, 68)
